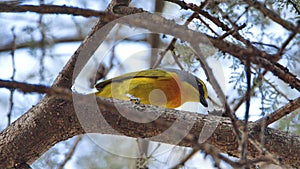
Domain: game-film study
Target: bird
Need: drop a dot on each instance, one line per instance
(167, 87)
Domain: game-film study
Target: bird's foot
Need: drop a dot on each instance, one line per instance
(133, 99)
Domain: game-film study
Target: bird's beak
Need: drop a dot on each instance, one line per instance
(203, 101)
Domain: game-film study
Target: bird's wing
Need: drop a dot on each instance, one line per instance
(152, 73)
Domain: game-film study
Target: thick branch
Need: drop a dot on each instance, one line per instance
(55, 119)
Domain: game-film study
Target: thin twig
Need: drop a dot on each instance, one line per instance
(171, 45)
(241, 101)
(287, 41)
(55, 9)
(264, 44)
(182, 162)
(258, 145)
(10, 2)
(42, 31)
(277, 90)
(244, 141)
(35, 44)
(11, 96)
(211, 78)
(235, 29)
(70, 153)
(203, 4)
(239, 17)
(271, 14)
(214, 102)
(231, 32)
(175, 57)
(42, 47)
(207, 25)
(295, 6)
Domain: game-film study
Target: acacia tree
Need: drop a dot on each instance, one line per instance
(262, 38)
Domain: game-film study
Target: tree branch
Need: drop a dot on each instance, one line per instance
(54, 9)
(272, 15)
(56, 119)
(295, 6)
(278, 114)
(288, 40)
(36, 44)
(150, 22)
(70, 153)
(224, 27)
(29, 88)
(90, 44)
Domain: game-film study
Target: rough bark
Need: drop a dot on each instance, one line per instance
(55, 119)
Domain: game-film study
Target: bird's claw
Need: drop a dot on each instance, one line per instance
(133, 99)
